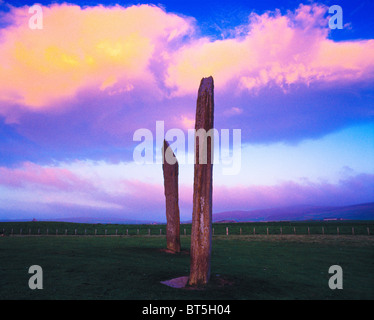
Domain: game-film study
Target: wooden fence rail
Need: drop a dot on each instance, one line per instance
(347, 230)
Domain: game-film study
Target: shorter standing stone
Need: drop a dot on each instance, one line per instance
(170, 170)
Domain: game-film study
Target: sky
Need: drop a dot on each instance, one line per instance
(74, 93)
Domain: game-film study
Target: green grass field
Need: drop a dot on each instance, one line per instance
(131, 267)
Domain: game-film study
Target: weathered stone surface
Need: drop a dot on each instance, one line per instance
(178, 283)
(201, 234)
(170, 170)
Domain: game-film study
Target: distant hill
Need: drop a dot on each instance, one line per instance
(103, 220)
(298, 213)
(294, 213)
(225, 221)
(90, 220)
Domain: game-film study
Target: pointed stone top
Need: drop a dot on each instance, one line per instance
(166, 144)
(207, 84)
(168, 157)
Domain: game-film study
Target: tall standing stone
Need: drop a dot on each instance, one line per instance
(201, 234)
(170, 170)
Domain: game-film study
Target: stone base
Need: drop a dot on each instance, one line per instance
(178, 283)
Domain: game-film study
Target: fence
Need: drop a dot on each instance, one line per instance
(293, 230)
(217, 230)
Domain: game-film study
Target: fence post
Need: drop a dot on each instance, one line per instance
(160, 232)
(308, 231)
(137, 231)
(294, 230)
(267, 231)
(38, 231)
(254, 231)
(337, 230)
(127, 232)
(227, 231)
(353, 231)
(240, 231)
(185, 233)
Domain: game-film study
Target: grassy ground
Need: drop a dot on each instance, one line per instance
(258, 267)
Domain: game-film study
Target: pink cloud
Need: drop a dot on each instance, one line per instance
(36, 176)
(149, 198)
(31, 185)
(116, 50)
(35, 184)
(108, 48)
(279, 50)
(352, 190)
